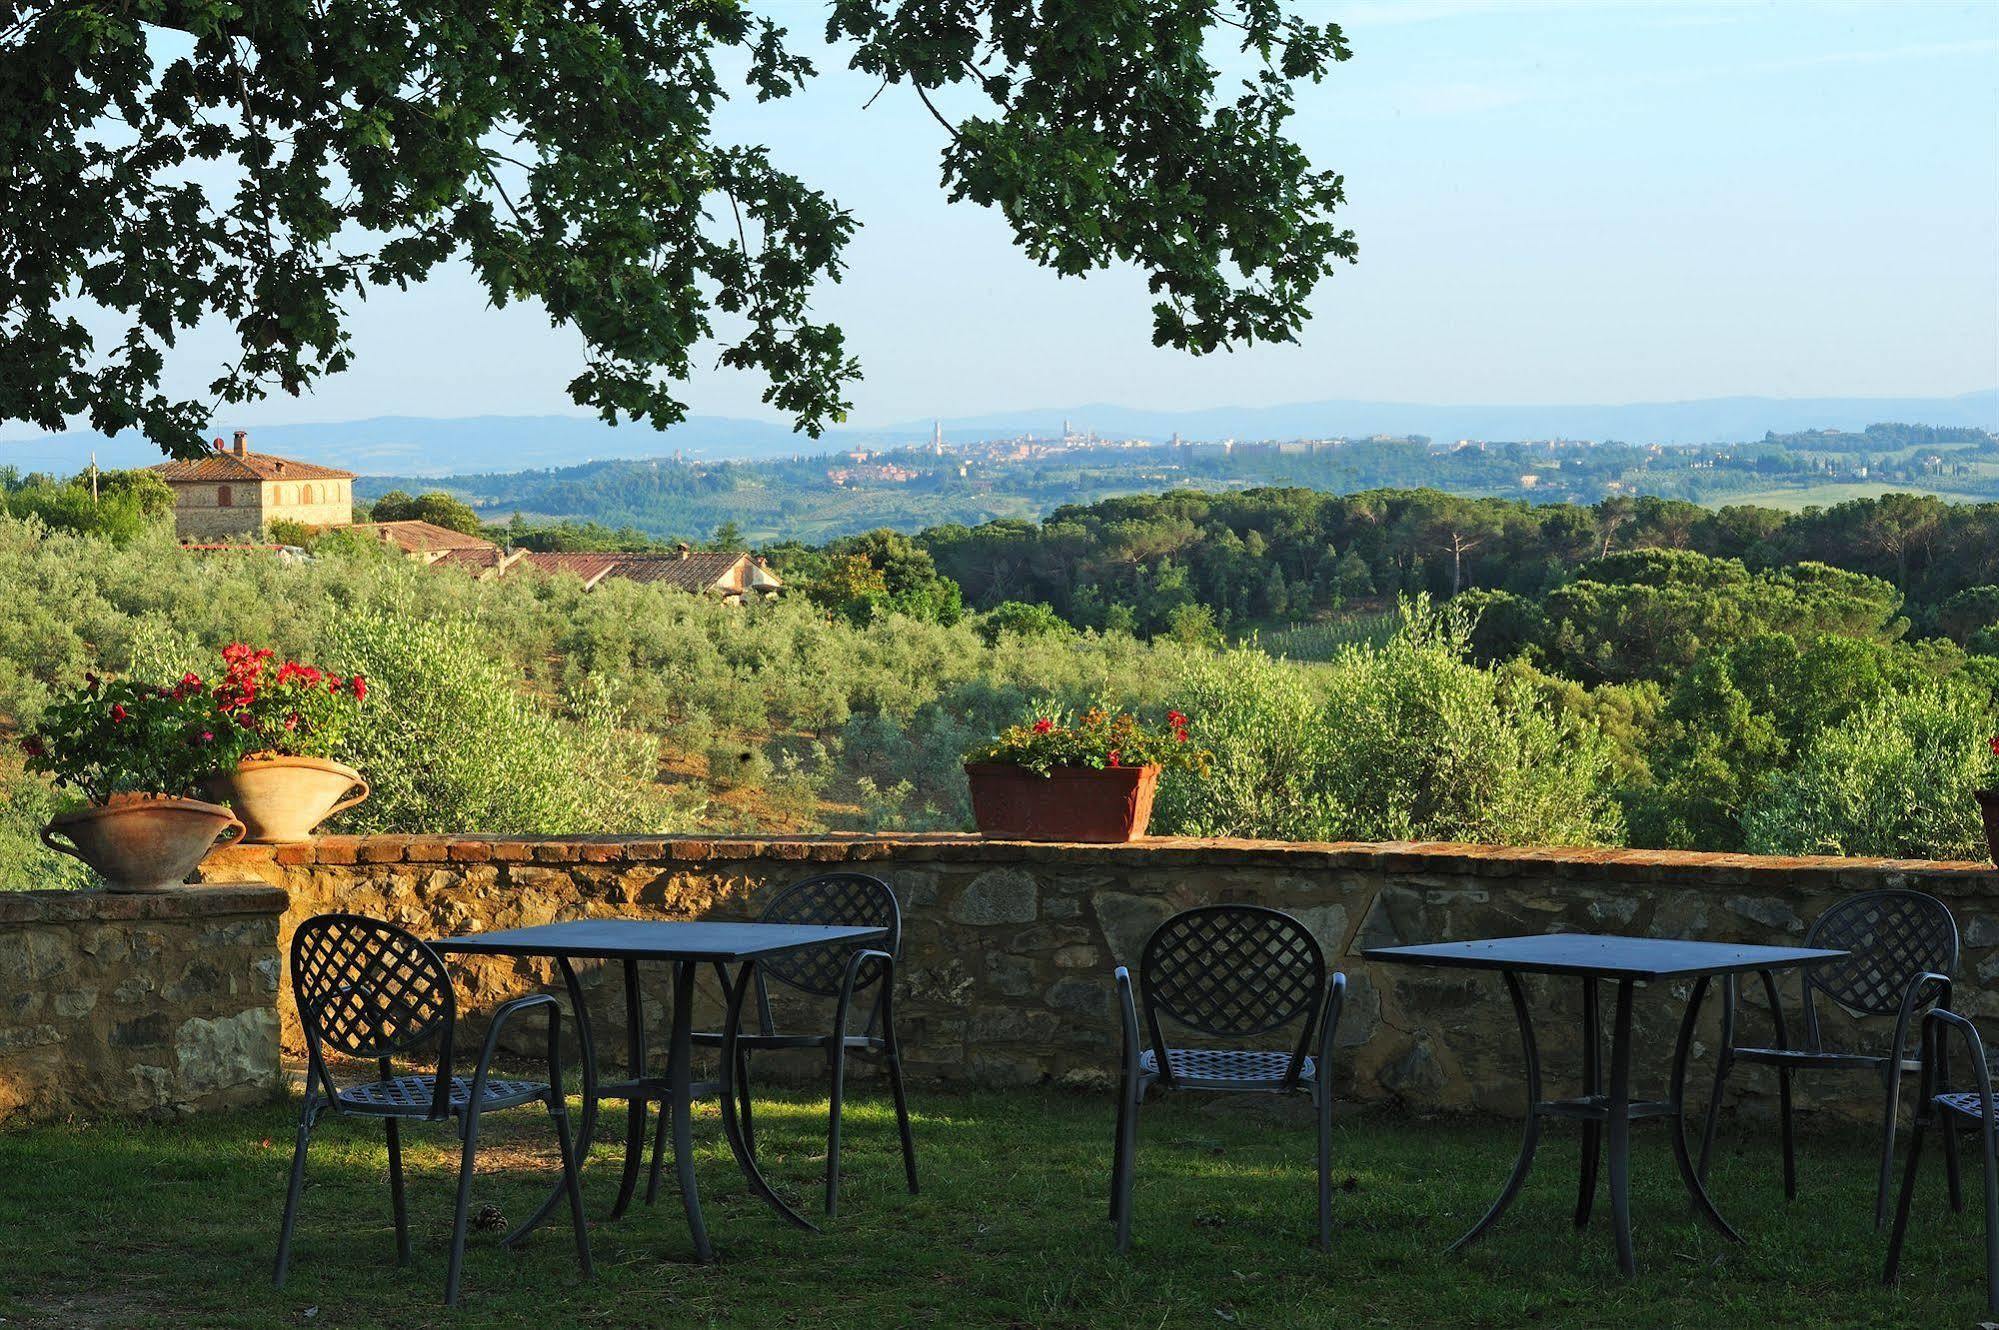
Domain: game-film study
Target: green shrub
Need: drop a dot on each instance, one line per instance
(26, 804)
(1405, 741)
(737, 766)
(450, 741)
(1894, 779)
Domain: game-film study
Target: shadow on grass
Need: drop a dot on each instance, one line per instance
(174, 1224)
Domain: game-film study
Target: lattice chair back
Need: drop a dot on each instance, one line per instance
(1891, 937)
(835, 900)
(1233, 971)
(367, 989)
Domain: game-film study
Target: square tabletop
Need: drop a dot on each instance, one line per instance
(1605, 956)
(654, 939)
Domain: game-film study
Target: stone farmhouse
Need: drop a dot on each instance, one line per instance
(729, 577)
(732, 578)
(233, 492)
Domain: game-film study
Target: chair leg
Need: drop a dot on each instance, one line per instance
(837, 1056)
(392, 1129)
(892, 1058)
(1127, 1162)
(1991, 1228)
(1117, 1152)
(1322, 1093)
(1723, 1065)
(1889, 1117)
(1901, 1229)
(658, 1150)
(572, 1182)
(466, 1166)
(743, 1105)
(1790, 1145)
(293, 1189)
(1948, 1129)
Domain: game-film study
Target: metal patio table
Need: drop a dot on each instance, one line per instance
(1606, 1115)
(687, 946)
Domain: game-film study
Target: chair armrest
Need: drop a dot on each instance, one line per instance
(1329, 1021)
(1937, 1024)
(506, 1013)
(1930, 987)
(852, 977)
(1128, 1019)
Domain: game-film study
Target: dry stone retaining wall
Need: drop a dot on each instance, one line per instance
(1009, 946)
(138, 1004)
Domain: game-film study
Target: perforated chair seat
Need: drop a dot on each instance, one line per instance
(1817, 1059)
(1964, 1103)
(410, 1096)
(1227, 1068)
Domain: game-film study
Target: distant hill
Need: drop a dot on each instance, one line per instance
(1711, 420)
(421, 446)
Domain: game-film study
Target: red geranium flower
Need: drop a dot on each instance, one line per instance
(1995, 745)
(1043, 725)
(360, 686)
(118, 712)
(1113, 757)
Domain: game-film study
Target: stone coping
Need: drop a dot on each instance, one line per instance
(26, 908)
(1441, 858)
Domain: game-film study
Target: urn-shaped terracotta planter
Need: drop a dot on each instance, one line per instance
(282, 799)
(1068, 804)
(141, 842)
(1988, 804)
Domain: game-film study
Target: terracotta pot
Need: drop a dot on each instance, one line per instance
(1068, 804)
(141, 842)
(282, 799)
(1988, 804)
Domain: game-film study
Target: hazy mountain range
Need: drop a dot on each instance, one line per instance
(415, 445)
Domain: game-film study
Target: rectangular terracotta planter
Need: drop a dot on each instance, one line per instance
(1068, 804)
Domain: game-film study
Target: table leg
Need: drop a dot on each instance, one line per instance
(1618, 1128)
(732, 1127)
(587, 1124)
(680, 1090)
(1592, 1086)
(635, 1110)
(1532, 1134)
(1677, 1096)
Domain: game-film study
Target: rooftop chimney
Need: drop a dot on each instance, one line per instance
(242, 442)
(686, 551)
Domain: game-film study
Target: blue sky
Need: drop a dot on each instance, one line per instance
(1554, 203)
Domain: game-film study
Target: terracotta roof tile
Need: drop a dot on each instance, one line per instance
(479, 560)
(692, 572)
(591, 567)
(417, 537)
(244, 466)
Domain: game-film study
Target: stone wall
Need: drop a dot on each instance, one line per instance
(137, 1004)
(1009, 946)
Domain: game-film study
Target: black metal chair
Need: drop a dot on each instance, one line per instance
(1903, 948)
(1233, 972)
(842, 973)
(367, 989)
(1940, 1108)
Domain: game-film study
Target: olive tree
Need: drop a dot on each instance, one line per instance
(565, 151)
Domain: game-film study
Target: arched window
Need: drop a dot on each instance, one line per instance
(224, 497)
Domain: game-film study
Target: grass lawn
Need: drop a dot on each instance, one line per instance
(173, 1225)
